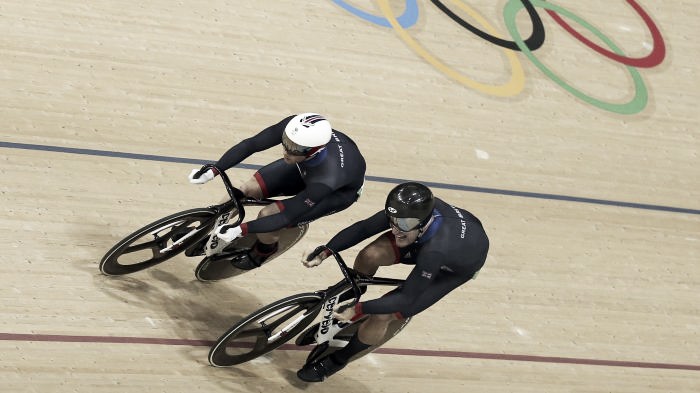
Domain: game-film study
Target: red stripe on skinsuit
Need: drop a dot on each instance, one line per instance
(392, 240)
(261, 183)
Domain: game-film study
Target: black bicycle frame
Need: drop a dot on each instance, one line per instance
(238, 200)
(352, 279)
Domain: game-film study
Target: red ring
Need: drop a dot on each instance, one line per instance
(652, 59)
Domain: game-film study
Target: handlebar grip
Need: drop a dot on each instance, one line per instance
(205, 168)
(316, 252)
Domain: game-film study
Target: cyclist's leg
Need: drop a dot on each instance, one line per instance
(270, 237)
(373, 329)
(275, 179)
(330, 204)
(251, 188)
(380, 252)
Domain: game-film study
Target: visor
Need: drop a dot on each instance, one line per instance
(292, 148)
(404, 224)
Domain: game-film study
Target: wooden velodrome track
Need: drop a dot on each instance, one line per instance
(583, 170)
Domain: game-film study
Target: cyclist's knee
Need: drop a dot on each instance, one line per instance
(374, 328)
(268, 210)
(382, 319)
(251, 188)
(370, 258)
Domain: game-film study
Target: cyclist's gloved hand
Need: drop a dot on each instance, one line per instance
(228, 232)
(343, 313)
(315, 257)
(202, 175)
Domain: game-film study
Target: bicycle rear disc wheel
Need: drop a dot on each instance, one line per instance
(265, 329)
(153, 244)
(219, 267)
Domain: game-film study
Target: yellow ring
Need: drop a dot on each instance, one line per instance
(512, 87)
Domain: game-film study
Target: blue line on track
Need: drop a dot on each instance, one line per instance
(380, 179)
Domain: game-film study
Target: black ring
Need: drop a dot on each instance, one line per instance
(533, 42)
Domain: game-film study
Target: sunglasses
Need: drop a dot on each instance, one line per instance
(292, 148)
(404, 224)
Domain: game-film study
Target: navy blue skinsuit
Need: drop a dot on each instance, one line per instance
(448, 254)
(327, 183)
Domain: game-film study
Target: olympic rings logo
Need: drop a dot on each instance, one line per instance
(527, 46)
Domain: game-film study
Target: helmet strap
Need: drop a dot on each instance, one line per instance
(423, 228)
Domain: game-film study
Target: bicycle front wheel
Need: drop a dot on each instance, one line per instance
(265, 329)
(158, 241)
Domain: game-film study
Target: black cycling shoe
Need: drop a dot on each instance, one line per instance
(319, 370)
(252, 258)
(244, 261)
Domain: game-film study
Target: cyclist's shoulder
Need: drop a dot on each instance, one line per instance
(341, 138)
(447, 209)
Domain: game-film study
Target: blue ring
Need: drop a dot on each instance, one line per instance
(406, 20)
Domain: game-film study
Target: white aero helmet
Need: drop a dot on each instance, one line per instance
(306, 134)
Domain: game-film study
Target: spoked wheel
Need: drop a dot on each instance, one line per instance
(265, 329)
(159, 241)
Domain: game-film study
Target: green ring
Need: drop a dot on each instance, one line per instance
(640, 98)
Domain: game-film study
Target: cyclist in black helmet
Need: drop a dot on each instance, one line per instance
(447, 245)
(321, 169)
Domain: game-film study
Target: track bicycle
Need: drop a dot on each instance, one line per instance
(277, 323)
(193, 231)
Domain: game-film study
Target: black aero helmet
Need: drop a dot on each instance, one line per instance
(409, 206)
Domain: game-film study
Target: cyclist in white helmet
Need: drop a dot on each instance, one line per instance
(321, 169)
